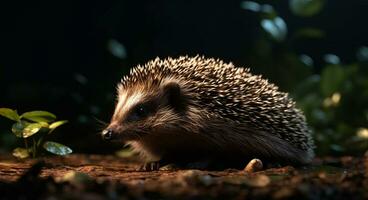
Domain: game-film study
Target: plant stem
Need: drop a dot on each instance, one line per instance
(26, 143)
(40, 141)
(34, 148)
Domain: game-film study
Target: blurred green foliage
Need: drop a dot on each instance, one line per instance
(335, 104)
(335, 101)
(306, 8)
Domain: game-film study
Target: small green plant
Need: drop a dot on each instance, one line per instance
(33, 127)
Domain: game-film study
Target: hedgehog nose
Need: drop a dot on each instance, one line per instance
(107, 134)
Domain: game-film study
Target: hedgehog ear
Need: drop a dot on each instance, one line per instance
(174, 96)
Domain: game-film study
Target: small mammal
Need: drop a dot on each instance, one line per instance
(191, 109)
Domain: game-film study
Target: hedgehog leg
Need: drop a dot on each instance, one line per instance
(152, 166)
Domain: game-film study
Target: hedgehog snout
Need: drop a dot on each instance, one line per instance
(108, 134)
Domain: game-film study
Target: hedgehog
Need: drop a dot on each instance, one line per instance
(202, 110)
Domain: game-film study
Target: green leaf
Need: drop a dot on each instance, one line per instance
(31, 129)
(17, 129)
(362, 53)
(21, 153)
(44, 124)
(332, 79)
(250, 5)
(268, 11)
(39, 116)
(306, 60)
(10, 114)
(331, 59)
(275, 27)
(306, 8)
(117, 49)
(56, 148)
(265, 9)
(57, 124)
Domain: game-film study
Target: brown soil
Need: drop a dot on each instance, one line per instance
(108, 177)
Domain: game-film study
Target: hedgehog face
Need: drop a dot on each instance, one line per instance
(144, 110)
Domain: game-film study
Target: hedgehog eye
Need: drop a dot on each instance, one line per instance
(140, 111)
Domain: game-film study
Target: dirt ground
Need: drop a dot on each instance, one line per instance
(81, 176)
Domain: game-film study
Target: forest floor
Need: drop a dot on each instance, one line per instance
(82, 176)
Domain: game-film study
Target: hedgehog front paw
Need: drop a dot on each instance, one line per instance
(150, 166)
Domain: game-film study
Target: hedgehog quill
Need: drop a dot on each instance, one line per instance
(196, 109)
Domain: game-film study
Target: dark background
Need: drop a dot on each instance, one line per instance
(55, 56)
